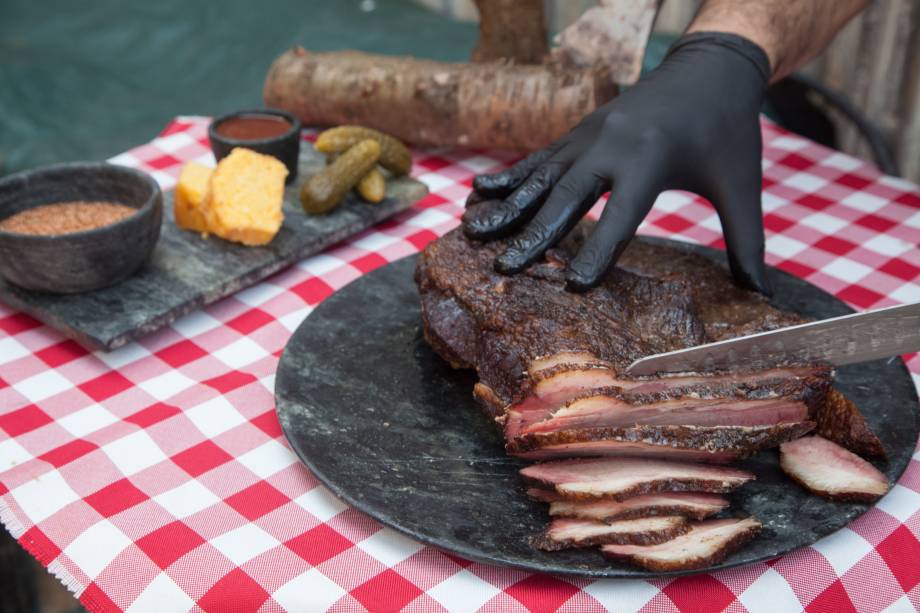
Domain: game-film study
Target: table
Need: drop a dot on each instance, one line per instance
(156, 478)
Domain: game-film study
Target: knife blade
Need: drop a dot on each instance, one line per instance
(848, 339)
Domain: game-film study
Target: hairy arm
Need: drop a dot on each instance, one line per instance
(790, 31)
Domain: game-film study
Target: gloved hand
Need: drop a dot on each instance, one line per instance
(690, 124)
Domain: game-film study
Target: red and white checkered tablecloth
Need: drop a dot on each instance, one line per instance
(155, 478)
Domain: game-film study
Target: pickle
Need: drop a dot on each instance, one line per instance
(372, 187)
(325, 190)
(394, 156)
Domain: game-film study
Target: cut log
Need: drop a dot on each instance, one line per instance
(511, 29)
(490, 104)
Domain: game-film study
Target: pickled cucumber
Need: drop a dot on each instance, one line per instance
(325, 190)
(372, 187)
(394, 156)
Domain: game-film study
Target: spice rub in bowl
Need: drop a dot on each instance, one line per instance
(77, 227)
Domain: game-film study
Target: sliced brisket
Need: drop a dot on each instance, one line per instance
(621, 478)
(695, 505)
(708, 542)
(827, 469)
(567, 533)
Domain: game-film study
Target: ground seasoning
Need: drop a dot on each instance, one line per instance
(66, 217)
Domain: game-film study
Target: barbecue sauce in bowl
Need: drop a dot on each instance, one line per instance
(253, 127)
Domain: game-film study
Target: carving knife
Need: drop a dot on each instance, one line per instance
(859, 337)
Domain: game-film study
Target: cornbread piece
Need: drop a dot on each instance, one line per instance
(191, 192)
(828, 470)
(566, 533)
(244, 202)
(622, 478)
(707, 542)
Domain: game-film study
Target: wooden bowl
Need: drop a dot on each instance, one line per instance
(87, 260)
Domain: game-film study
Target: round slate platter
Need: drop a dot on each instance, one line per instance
(391, 429)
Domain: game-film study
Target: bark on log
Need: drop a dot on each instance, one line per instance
(424, 102)
(511, 29)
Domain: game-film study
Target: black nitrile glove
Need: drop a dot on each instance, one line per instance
(690, 124)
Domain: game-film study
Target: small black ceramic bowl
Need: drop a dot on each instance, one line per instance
(87, 260)
(285, 146)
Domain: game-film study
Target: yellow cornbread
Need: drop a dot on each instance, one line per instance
(191, 191)
(243, 203)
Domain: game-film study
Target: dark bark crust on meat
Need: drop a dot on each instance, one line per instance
(839, 420)
(659, 299)
(688, 511)
(742, 441)
(547, 542)
(716, 486)
(731, 545)
(488, 400)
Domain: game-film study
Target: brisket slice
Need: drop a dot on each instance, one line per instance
(694, 505)
(622, 478)
(716, 444)
(708, 542)
(567, 533)
(827, 469)
(840, 421)
(781, 395)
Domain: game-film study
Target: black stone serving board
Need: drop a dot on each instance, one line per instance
(187, 272)
(390, 428)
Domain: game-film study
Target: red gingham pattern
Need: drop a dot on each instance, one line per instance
(156, 478)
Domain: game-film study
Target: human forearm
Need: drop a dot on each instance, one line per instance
(790, 31)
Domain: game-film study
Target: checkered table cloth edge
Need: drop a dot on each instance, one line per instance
(156, 477)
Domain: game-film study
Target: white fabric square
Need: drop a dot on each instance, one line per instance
(843, 549)
(319, 265)
(771, 202)
(846, 269)
(901, 502)
(96, 547)
(864, 202)
(43, 385)
(622, 594)
(194, 324)
(769, 593)
(429, 218)
(258, 294)
(122, 356)
(784, 246)
(12, 453)
(11, 349)
(435, 181)
(134, 452)
(215, 416)
(841, 162)
(82, 422)
(268, 382)
(825, 223)
(375, 241)
(174, 141)
(166, 385)
(390, 547)
(805, 182)
(905, 294)
(901, 605)
(240, 353)
(312, 591)
(267, 459)
(466, 588)
(161, 593)
(898, 183)
(479, 163)
(292, 320)
(671, 201)
(187, 499)
(913, 221)
(244, 543)
(321, 503)
(712, 222)
(888, 245)
(44, 496)
(787, 143)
